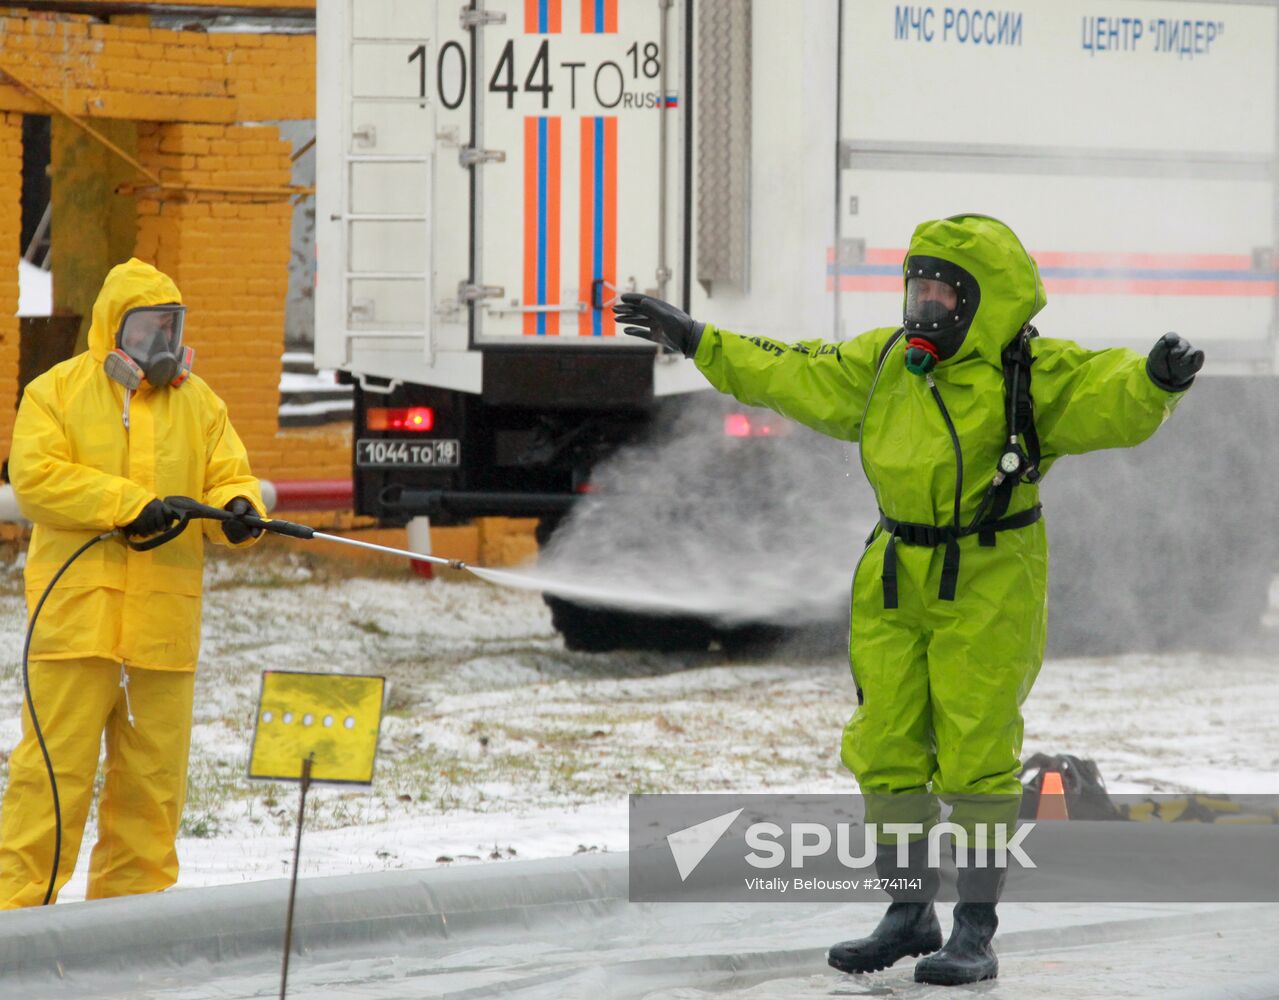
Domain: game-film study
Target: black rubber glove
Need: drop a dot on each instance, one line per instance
(237, 531)
(155, 517)
(658, 321)
(1173, 363)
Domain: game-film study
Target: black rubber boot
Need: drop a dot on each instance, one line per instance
(968, 956)
(910, 926)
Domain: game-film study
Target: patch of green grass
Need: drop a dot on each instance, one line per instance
(202, 826)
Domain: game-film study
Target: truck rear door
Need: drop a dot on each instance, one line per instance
(375, 138)
(576, 107)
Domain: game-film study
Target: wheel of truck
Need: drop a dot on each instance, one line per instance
(588, 629)
(753, 639)
(602, 630)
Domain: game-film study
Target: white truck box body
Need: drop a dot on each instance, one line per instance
(565, 202)
(1130, 143)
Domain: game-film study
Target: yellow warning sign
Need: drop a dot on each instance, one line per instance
(332, 718)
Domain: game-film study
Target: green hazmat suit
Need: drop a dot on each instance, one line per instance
(940, 683)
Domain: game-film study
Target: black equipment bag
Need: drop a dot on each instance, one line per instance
(1086, 795)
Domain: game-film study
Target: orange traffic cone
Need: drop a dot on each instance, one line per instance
(1052, 797)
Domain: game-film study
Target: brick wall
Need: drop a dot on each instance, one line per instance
(229, 255)
(10, 232)
(117, 71)
(239, 5)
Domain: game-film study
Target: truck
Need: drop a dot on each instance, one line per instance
(492, 176)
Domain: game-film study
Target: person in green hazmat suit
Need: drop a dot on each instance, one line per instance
(949, 607)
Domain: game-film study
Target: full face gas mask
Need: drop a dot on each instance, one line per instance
(941, 300)
(149, 345)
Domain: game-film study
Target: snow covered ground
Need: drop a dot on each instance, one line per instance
(498, 743)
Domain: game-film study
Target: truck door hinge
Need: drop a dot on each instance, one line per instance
(481, 18)
(473, 293)
(469, 156)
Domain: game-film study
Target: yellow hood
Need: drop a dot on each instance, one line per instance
(129, 285)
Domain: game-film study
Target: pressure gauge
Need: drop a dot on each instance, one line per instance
(1009, 463)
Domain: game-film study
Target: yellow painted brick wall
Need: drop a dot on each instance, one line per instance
(300, 5)
(117, 71)
(229, 255)
(10, 236)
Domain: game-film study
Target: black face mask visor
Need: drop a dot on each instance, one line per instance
(941, 301)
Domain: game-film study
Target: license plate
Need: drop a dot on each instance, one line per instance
(401, 454)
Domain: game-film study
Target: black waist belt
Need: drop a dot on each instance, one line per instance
(933, 536)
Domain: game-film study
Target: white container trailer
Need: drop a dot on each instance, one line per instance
(492, 176)
(1131, 145)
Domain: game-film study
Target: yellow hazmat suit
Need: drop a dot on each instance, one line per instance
(116, 644)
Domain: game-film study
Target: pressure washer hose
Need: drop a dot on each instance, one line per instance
(35, 720)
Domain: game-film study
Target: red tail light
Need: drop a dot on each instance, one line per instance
(737, 425)
(741, 425)
(407, 418)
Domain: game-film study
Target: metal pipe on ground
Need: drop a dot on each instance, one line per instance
(308, 494)
(297, 494)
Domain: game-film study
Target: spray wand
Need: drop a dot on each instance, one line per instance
(189, 510)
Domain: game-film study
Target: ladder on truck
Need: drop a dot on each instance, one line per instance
(388, 131)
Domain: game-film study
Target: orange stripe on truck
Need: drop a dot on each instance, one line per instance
(586, 217)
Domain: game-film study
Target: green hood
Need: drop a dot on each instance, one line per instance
(1011, 289)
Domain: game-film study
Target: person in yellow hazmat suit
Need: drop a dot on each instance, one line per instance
(957, 411)
(99, 440)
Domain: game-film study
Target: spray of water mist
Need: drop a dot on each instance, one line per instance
(691, 521)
